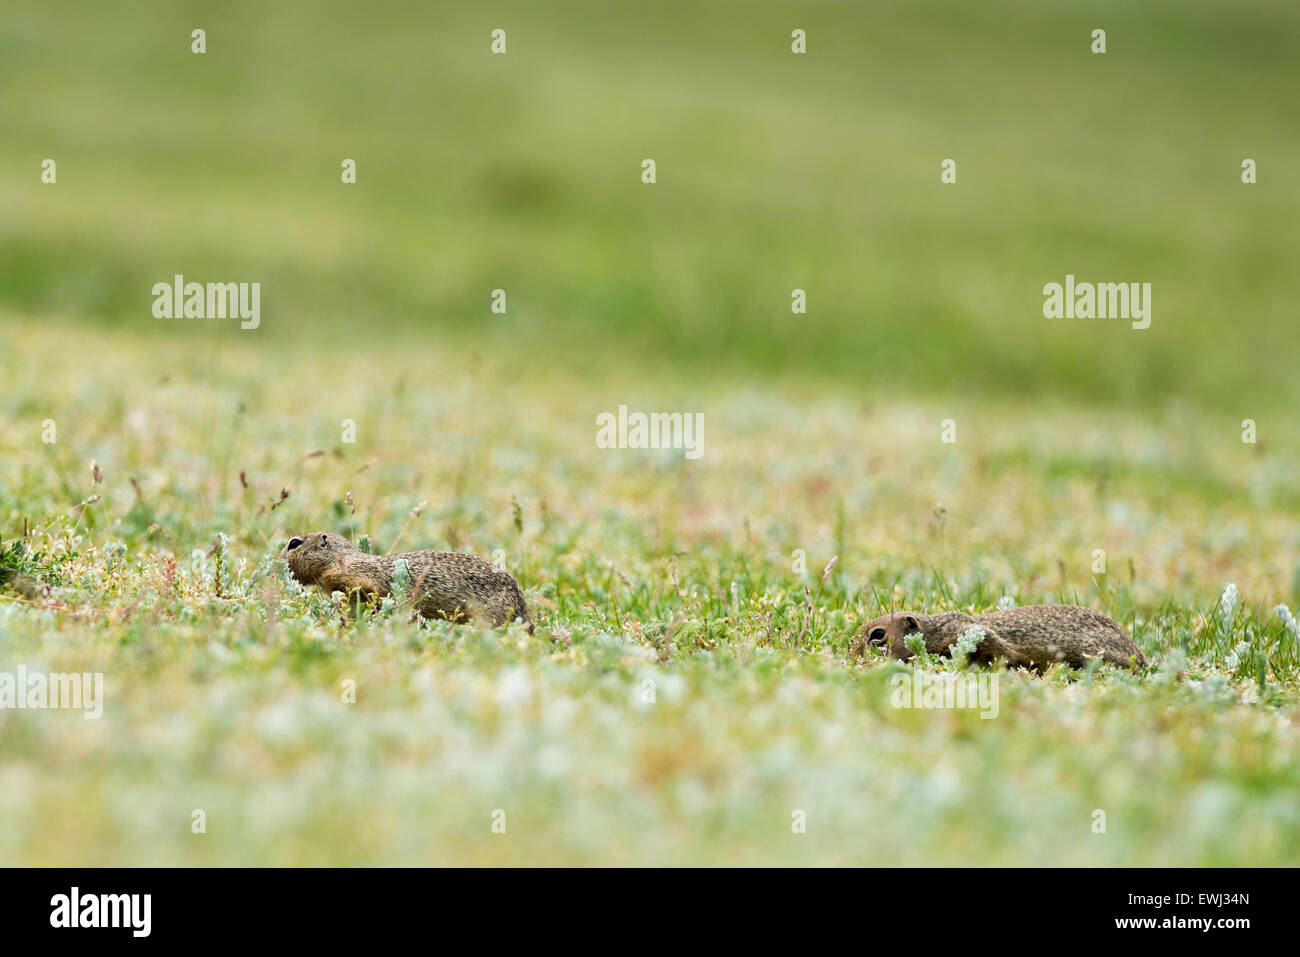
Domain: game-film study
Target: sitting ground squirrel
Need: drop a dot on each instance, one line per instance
(451, 585)
(1035, 636)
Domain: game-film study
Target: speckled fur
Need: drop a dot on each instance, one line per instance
(451, 585)
(31, 588)
(1034, 636)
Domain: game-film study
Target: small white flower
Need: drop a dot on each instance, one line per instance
(1288, 619)
(966, 644)
(1228, 603)
(1234, 656)
(401, 580)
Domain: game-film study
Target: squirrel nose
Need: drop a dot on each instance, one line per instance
(294, 543)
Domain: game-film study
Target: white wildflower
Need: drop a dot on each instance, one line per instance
(401, 580)
(1288, 619)
(1234, 656)
(966, 644)
(1228, 603)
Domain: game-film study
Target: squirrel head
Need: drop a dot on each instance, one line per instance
(888, 632)
(310, 554)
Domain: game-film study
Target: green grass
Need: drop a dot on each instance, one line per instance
(225, 682)
(776, 172)
(224, 685)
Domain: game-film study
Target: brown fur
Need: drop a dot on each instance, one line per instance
(25, 585)
(451, 585)
(1036, 636)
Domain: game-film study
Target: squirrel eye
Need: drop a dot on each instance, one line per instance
(877, 634)
(294, 543)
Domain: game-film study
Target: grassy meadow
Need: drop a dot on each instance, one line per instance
(690, 689)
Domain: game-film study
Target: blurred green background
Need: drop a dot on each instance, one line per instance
(775, 172)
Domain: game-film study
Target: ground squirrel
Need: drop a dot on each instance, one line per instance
(25, 585)
(451, 585)
(1035, 636)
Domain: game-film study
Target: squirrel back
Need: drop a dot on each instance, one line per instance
(451, 585)
(1036, 636)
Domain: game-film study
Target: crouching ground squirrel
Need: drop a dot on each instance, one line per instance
(451, 585)
(1033, 636)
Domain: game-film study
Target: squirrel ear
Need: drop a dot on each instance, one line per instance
(911, 624)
